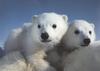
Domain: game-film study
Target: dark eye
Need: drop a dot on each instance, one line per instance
(76, 32)
(54, 26)
(90, 32)
(39, 26)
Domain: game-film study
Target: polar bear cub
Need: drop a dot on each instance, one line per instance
(79, 34)
(46, 31)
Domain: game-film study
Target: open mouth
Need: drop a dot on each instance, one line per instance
(46, 41)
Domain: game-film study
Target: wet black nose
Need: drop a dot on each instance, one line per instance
(44, 36)
(87, 41)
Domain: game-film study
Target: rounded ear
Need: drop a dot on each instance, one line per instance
(65, 18)
(92, 25)
(34, 18)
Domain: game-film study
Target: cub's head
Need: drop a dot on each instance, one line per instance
(49, 28)
(80, 34)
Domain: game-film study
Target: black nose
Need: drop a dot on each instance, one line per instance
(87, 41)
(44, 36)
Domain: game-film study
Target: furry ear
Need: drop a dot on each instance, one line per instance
(92, 25)
(65, 18)
(34, 18)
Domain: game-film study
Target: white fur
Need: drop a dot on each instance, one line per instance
(11, 42)
(85, 59)
(72, 40)
(13, 61)
(29, 41)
